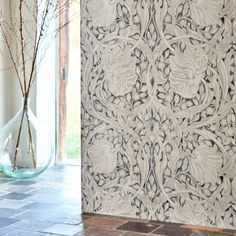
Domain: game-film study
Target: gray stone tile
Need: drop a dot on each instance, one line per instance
(36, 215)
(40, 206)
(72, 219)
(8, 212)
(26, 225)
(3, 193)
(14, 204)
(4, 187)
(24, 233)
(46, 198)
(4, 180)
(6, 221)
(52, 207)
(16, 196)
(23, 182)
(62, 229)
(20, 189)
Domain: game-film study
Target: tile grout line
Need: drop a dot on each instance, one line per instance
(160, 226)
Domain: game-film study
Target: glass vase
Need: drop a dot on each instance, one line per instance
(25, 145)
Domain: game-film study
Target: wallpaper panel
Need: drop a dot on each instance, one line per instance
(159, 109)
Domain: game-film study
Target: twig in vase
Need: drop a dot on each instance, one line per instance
(19, 135)
(12, 58)
(22, 45)
(31, 146)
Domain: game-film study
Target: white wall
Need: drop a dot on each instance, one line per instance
(5, 99)
(45, 96)
(5, 83)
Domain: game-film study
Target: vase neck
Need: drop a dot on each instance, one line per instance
(25, 102)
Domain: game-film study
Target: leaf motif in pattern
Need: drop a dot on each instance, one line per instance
(119, 68)
(206, 12)
(116, 205)
(102, 12)
(190, 212)
(102, 157)
(204, 164)
(187, 70)
(227, 205)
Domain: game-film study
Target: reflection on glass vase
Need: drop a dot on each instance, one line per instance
(25, 145)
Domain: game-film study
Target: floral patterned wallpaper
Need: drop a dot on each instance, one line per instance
(159, 109)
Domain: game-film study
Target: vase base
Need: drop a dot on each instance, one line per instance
(20, 173)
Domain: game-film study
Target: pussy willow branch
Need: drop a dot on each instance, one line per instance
(18, 137)
(22, 46)
(31, 145)
(22, 37)
(37, 47)
(36, 30)
(12, 58)
(58, 10)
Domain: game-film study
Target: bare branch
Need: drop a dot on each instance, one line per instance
(27, 43)
(12, 58)
(22, 45)
(37, 46)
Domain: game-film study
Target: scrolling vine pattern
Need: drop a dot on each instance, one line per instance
(159, 109)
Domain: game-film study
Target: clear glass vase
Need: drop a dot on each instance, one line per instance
(25, 145)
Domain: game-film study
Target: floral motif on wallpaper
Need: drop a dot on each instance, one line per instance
(159, 109)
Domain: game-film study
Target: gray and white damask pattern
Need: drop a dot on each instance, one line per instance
(159, 109)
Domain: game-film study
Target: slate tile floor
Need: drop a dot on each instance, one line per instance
(50, 205)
